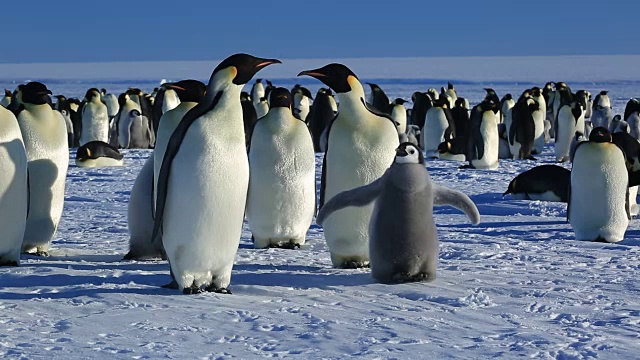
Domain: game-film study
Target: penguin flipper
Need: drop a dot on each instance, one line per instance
(478, 144)
(446, 196)
(360, 196)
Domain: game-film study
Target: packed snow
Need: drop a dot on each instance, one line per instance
(516, 285)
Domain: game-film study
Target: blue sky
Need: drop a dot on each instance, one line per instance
(80, 31)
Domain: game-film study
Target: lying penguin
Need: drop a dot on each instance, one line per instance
(545, 182)
(98, 154)
(403, 241)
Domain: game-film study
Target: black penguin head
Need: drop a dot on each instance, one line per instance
(188, 90)
(600, 135)
(461, 102)
(242, 67)
(444, 147)
(7, 93)
(244, 96)
(91, 93)
(508, 96)
(442, 102)
(512, 187)
(336, 76)
(34, 93)
(408, 153)
(399, 101)
(280, 97)
(134, 113)
(450, 85)
(536, 91)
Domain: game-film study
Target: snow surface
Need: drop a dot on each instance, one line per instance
(516, 285)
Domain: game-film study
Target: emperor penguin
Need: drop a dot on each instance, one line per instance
(570, 119)
(522, 130)
(584, 97)
(484, 144)
(433, 94)
(598, 209)
(203, 182)
(140, 217)
(138, 133)
(399, 115)
(45, 140)
(403, 244)
(257, 91)
(438, 127)
(320, 116)
(302, 99)
(421, 105)
(506, 104)
(123, 119)
(64, 107)
(13, 187)
(95, 118)
(451, 92)
(98, 154)
(602, 113)
(190, 92)
(544, 182)
(111, 101)
(249, 116)
(361, 147)
(378, 99)
(282, 196)
(6, 98)
(538, 116)
(460, 114)
(262, 107)
(167, 99)
(632, 117)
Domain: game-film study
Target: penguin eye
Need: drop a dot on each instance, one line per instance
(412, 152)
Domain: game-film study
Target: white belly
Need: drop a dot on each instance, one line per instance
(633, 205)
(205, 202)
(45, 139)
(139, 214)
(281, 199)
(124, 123)
(399, 114)
(538, 134)
(435, 125)
(566, 131)
(95, 123)
(354, 159)
(598, 193)
(13, 188)
(491, 141)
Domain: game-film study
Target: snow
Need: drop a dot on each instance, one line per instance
(516, 285)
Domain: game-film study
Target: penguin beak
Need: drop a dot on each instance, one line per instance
(401, 152)
(247, 66)
(336, 76)
(175, 87)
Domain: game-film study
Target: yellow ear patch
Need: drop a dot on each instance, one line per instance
(88, 152)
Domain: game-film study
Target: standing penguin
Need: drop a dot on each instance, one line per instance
(378, 99)
(522, 130)
(257, 91)
(111, 102)
(569, 120)
(190, 92)
(361, 146)
(123, 118)
(63, 106)
(632, 117)
(601, 113)
(45, 140)
(421, 104)
(319, 118)
(301, 102)
(95, 118)
(399, 115)
(203, 182)
(598, 209)
(282, 198)
(13, 187)
(166, 99)
(138, 133)
(403, 243)
(484, 144)
(506, 104)
(585, 98)
(6, 98)
(451, 93)
(538, 116)
(438, 127)
(249, 116)
(262, 107)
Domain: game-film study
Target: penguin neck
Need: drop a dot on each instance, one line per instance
(352, 101)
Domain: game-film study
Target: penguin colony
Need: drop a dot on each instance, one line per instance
(375, 199)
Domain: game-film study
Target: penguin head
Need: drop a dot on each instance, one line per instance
(134, 113)
(600, 135)
(399, 101)
(408, 153)
(244, 96)
(450, 85)
(35, 93)
(460, 102)
(91, 93)
(239, 69)
(444, 147)
(336, 76)
(280, 97)
(188, 90)
(442, 102)
(8, 93)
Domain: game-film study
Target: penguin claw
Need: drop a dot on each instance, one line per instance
(40, 254)
(172, 285)
(354, 265)
(216, 290)
(191, 290)
(405, 277)
(291, 245)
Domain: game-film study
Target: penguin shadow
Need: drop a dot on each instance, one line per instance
(299, 277)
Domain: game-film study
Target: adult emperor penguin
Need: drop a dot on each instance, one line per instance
(282, 181)
(569, 120)
(167, 99)
(399, 115)
(361, 146)
(111, 102)
(249, 116)
(598, 209)
(584, 97)
(421, 104)
(484, 143)
(95, 118)
(451, 92)
(64, 107)
(544, 182)
(506, 104)
(403, 243)
(123, 119)
(538, 116)
(257, 91)
(522, 130)
(13, 187)
(302, 99)
(45, 139)
(98, 154)
(203, 182)
(6, 98)
(438, 127)
(190, 92)
(320, 117)
(262, 107)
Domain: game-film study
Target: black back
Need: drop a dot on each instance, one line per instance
(633, 106)
(523, 127)
(380, 99)
(421, 104)
(320, 115)
(541, 179)
(97, 149)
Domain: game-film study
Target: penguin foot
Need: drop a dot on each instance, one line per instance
(212, 288)
(405, 277)
(600, 239)
(354, 265)
(466, 167)
(128, 256)
(291, 245)
(8, 263)
(172, 285)
(40, 253)
(191, 290)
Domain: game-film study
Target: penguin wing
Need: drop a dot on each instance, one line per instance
(478, 144)
(360, 196)
(452, 124)
(377, 112)
(323, 177)
(173, 146)
(446, 196)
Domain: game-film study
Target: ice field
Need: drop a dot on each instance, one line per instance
(517, 285)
